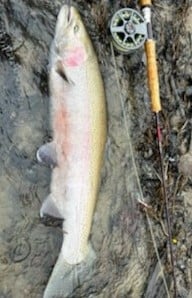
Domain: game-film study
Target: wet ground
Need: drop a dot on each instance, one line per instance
(126, 263)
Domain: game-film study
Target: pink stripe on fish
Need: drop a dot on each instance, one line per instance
(76, 57)
(61, 129)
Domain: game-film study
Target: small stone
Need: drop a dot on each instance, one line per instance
(183, 147)
(176, 122)
(188, 91)
(181, 265)
(185, 165)
(148, 153)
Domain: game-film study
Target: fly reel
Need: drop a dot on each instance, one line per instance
(128, 30)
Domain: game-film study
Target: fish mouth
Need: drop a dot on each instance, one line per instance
(69, 11)
(64, 18)
(65, 14)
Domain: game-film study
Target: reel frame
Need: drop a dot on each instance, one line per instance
(128, 30)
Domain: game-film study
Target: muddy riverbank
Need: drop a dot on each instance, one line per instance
(126, 263)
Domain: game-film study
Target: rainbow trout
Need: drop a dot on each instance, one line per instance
(79, 133)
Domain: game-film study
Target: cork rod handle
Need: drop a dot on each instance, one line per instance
(152, 73)
(143, 3)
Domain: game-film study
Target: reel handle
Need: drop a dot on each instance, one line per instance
(144, 3)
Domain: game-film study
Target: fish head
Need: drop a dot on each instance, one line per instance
(71, 42)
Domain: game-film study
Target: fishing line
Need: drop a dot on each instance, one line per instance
(141, 199)
(153, 84)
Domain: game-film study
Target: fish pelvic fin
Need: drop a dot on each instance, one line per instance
(47, 154)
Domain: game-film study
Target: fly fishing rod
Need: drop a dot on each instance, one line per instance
(153, 84)
(130, 30)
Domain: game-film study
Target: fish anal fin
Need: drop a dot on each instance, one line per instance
(48, 207)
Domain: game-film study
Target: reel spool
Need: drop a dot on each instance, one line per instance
(128, 30)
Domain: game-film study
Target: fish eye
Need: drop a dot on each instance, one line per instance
(76, 28)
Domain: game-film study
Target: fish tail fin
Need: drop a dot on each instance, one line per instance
(65, 277)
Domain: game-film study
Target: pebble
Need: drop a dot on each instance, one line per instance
(188, 91)
(185, 165)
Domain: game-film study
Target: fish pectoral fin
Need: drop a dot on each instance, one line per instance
(48, 207)
(61, 72)
(47, 154)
